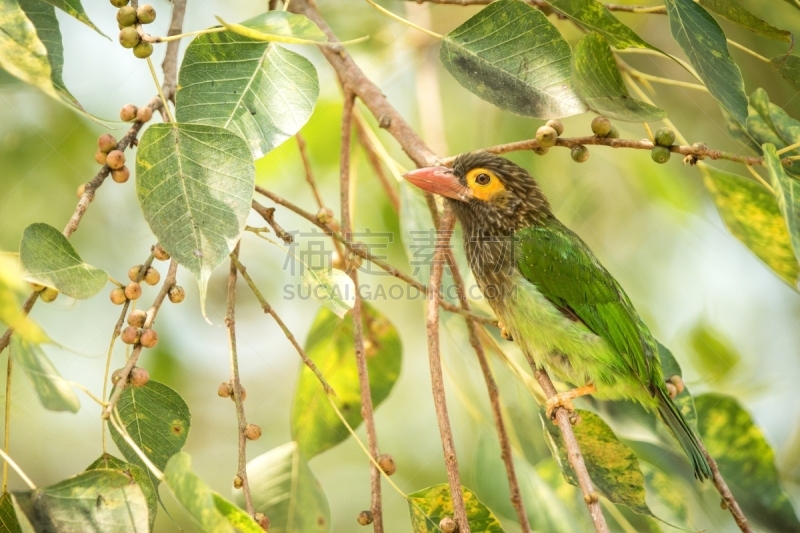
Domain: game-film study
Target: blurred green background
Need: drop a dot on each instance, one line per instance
(653, 227)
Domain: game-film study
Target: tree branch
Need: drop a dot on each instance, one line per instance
(236, 383)
(169, 281)
(590, 496)
(170, 64)
(727, 496)
(268, 214)
(358, 325)
(375, 162)
(437, 381)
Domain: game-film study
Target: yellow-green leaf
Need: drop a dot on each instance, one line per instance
(509, 54)
(599, 83)
(747, 462)
(429, 506)
(751, 214)
(12, 290)
(237, 517)
(787, 192)
(53, 390)
(49, 259)
(315, 425)
(736, 13)
(284, 488)
(22, 54)
(714, 354)
(137, 474)
(789, 67)
(75, 9)
(279, 26)
(594, 16)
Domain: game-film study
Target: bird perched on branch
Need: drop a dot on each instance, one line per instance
(552, 295)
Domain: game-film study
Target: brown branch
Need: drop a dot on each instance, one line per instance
(699, 150)
(271, 311)
(236, 383)
(727, 496)
(437, 380)
(301, 145)
(360, 249)
(657, 10)
(268, 214)
(375, 162)
(169, 282)
(358, 325)
(170, 64)
(574, 456)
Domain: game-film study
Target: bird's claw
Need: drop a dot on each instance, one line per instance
(504, 332)
(562, 399)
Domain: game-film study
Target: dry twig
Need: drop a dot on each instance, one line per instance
(268, 214)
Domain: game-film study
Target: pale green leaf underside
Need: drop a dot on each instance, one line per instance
(75, 9)
(285, 489)
(594, 16)
(751, 214)
(599, 83)
(22, 54)
(736, 13)
(137, 474)
(333, 288)
(746, 461)
(314, 424)
(196, 498)
(789, 68)
(256, 89)
(100, 501)
(429, 506)
(158, 421)
(53, 390)
(195, 185)
(509, 54)
(48, 258)
(236, 516)
(704, 42)
(787, 192)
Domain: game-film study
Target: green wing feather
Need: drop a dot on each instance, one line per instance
(568, 274)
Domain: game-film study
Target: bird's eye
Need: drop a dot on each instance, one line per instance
(482, 179)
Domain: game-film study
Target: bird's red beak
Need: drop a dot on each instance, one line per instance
(439, 180)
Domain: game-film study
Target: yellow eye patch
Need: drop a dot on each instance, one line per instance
(484, 184)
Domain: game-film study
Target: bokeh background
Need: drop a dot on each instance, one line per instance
(653, 226)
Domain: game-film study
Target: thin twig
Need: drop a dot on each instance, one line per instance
(654, 10)
(17, 469)
(437, 381)
(358, 324)
(7, 421)
(271, 311)
(574, 456)
(170, 64)
(360, 249)
(169, 282)
(375, 161)
(570, 142)
(268, 214)
(301, 145)
(238, 391)
(727, 496)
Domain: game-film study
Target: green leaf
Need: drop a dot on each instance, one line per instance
(158, 421)
(195, 185)
(544, 508)
(594, 16)
(704, 42)
(279, 26)
(684, 400)
(612, 465)
(137, 474)
(787, 190)
(736, 13)
(200, 502)
(75, 9)
(751, 214)
(789, 67)
(238, 518)
(43, 17)
(664, 494)
(49, 259)
(315, 425)
(285, 489)
(738, 132)
(509, 54)
(760, 123)
(714, 355)
(746, 461)
(12, 290)
(599, 83)
(54, 392)
(8, 516)
(22, 54)
(429, 506)
(333, 287)
(256, 89)
(97, 500)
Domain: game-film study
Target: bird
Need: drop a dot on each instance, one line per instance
(550, 292)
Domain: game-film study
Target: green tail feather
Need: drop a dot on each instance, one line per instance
(674, 420)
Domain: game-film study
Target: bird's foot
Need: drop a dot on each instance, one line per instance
(675, 386)
(504, 332)
(562, 399)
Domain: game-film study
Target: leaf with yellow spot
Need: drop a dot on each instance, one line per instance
(429, 506)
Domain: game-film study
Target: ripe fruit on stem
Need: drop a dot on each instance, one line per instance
(130, 335)
(133, 291)
(129, 37)
(146, 14)
(139, 377)
(106, 142)
(128, 112)
(176, 294)
(151, 277)
(546, 136)
(143, 50)
(160, 253)
(601, 126)
(579, 153)
(144, 114)
(126, 16)
(137, 317)
(118, 296)
(149, 338)
(48, 294)
(115, 159)
(121, 175)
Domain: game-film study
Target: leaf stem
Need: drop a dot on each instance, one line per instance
(17, 469)
(217, 29)
(743, 48)
(116, 421)
(160, 91)
(7, 421)
(398, 18)
(789, 149)
(89, 393)
(760, 179)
